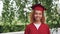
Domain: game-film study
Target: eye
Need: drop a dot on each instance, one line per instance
(36, 13)
(40, 13)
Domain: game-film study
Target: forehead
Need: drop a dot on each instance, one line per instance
(38, 11)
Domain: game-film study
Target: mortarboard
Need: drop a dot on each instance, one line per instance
(38, 7)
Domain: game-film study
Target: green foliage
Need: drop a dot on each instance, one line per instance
(13, 28)
(52, 15)
(21, 4)
(8, 12)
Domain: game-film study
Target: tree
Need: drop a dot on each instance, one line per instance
(8, 14)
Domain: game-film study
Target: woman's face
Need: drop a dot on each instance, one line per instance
(38, 15)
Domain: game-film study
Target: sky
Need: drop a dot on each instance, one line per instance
(1, 6)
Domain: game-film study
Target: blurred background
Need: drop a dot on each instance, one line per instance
(14, 14)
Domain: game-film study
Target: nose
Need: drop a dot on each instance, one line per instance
(38, 15)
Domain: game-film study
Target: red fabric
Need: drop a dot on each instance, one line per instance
(39, 8)
(31, 29)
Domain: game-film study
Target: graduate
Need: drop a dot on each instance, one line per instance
(37, 19)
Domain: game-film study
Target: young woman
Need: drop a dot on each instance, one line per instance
(37, 25)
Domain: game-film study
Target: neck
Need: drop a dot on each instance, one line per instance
(38, 22)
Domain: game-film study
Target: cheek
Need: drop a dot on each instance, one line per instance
(35, 15)
(40, 15)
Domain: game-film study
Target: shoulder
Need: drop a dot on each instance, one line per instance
(46, 25)
(29, 25)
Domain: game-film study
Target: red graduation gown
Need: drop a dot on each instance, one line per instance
(31, 29)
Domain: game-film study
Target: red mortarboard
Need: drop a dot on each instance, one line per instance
(38, 7)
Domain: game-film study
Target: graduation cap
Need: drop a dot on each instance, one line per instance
(38, 7)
